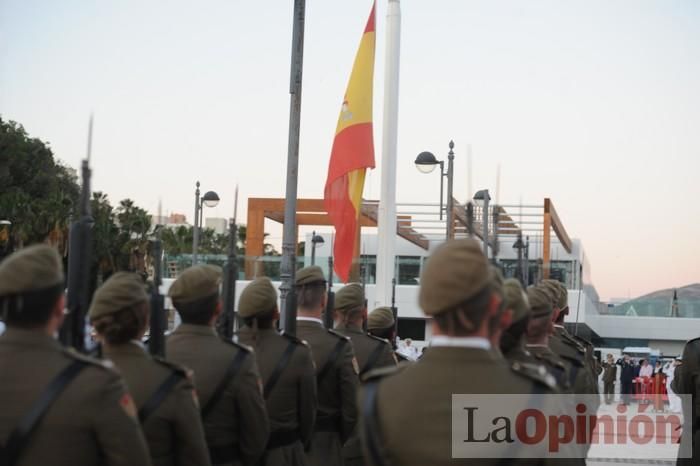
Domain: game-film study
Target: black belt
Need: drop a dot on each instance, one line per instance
(282, 438)
(327, 424)
(224, 454)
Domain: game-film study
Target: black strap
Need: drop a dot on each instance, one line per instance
(373, 357)
(279, 368)
(332, 358)
(159, 396)
(19, 436)
(223, 454)
(372, 435)
(282, 438)
(231, 372)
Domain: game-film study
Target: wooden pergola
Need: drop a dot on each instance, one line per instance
(311, 212)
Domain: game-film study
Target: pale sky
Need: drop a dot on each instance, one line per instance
(594, 104)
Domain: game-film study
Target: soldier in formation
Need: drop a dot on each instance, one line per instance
(381, 323)
(163, 392)
(56, 407)
(288, 374)
(371, 352)
(686, 381)
(227, 380)
(457, 292)
(336, 371)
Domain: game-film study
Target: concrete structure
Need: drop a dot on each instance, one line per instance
(218, 224)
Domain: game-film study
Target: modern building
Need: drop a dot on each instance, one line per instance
(218, 224)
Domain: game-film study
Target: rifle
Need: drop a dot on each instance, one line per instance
(470, 219)
(72, 332)
(227, 321)
(330, 302)
(156, 338)
(395, 311)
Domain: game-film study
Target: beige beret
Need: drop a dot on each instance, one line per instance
(456, 271)
(31, 269)
(560, 294)
(258, 297)
(308, 275)
(515, 298)
(551, 291)
(381, 317)
(540, 301)
(350, 297)
(496, 278)
(122, 290)
(196, 282)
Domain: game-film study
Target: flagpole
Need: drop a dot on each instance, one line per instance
(289, 240)
(386, 221)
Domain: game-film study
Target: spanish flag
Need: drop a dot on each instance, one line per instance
(352, 154)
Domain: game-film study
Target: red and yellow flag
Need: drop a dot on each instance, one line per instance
(352, 154)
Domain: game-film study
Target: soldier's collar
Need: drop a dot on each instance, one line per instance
(196, 329)
(30, 337)
(310, 319)
(460, 342)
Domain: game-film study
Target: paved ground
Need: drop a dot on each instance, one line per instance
(610, 451)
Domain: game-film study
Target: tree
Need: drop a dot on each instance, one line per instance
(39, 193)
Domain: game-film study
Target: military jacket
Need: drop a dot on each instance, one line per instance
(174, 430)
(365, 346)
(414, 404)
(92, 422)
(291, 405)
(238, 421)
(338, 388)
(554, 364)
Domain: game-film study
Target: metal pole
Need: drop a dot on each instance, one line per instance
(527, 261)
(442, 183)
(313, 248)
(485, 223)
(195, 232)
(288, 266)
(450, 206)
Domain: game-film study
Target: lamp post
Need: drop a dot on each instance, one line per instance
(519, 246)
(315, 241)
(482, 199)
(210, 199)
(426, 163)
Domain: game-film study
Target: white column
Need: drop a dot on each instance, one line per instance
(386, 222)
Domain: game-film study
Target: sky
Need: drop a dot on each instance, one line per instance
(594, 104)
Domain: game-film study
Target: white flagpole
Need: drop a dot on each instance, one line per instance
(386, 222)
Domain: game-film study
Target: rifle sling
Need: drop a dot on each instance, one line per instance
(19, 436)
(230, 374)
(279, 368)
(332, 358)
(373, 358)
(159, 396)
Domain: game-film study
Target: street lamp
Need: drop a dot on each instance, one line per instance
(519, 245)
(482, 199)
(210, 199)
(315, 241)
(426, 163)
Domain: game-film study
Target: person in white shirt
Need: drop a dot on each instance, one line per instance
(646, 370)
(674, 400)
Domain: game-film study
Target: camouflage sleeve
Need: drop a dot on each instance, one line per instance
(115, 424)
(349, 381)
(254, 427)
(187, 428)
(308, 397)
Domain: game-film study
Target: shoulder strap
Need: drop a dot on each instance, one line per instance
(231, 372)
(373, 357)
(372, 435)
(279, 368)
(159, 396)
(19, 436)
(332, 357)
